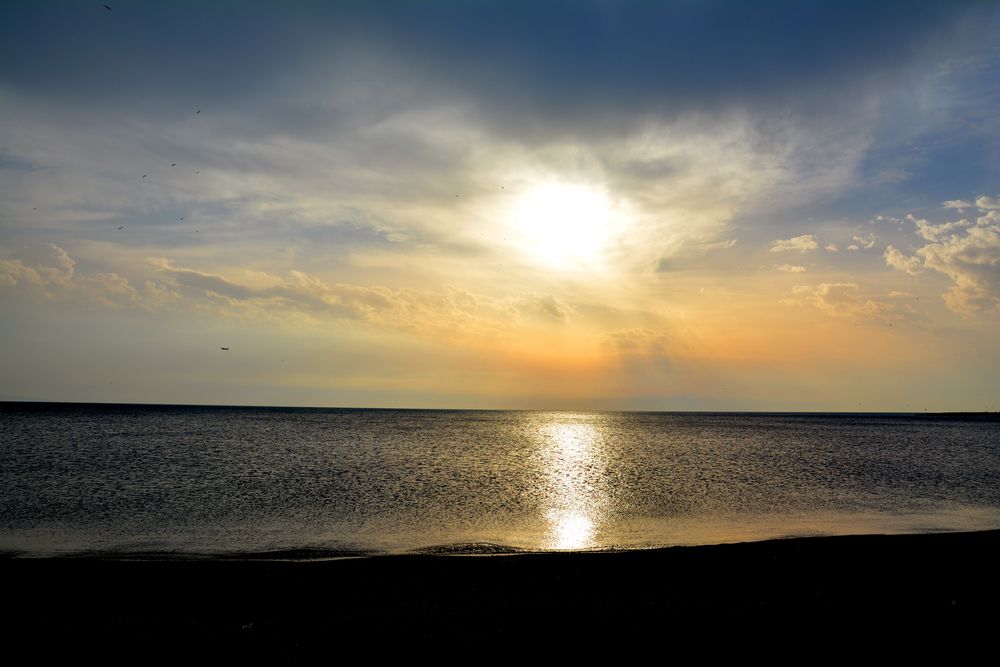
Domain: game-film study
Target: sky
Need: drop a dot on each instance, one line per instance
(587, 205)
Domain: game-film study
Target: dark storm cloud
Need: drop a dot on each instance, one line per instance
(526, 66)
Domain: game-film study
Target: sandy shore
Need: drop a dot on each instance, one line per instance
(937, 590)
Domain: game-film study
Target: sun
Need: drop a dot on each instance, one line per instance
(564, 226)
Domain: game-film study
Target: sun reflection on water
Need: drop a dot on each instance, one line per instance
(575, 495)
(570, 531)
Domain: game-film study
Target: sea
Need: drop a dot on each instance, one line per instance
(144, 481)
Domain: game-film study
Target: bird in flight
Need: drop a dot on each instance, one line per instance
(122, 227)
(107, 8)
(224, 348)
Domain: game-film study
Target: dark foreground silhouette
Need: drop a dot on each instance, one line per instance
(899, 594)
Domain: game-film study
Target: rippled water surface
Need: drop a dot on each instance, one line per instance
(224, 480)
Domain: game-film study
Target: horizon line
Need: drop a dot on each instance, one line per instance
(5, 403)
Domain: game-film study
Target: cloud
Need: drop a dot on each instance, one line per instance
(937, 232)
(789, 268)
(967, 252)
(959, 205)
(900, 262)
(831, 247)
(579, 63)
(719, 245)
(341, 179)
(545, 307)
(802, 243)
(51, 273)
(449, 312)
(842, 300)
(356, 127)
(892, 175)
(988, 203)
(866, 242)
(638, 341)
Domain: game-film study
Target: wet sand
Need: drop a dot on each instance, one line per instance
(904, 592)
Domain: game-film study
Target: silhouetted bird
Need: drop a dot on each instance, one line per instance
(173, 164)
(183, 218)
(198, 111)
(107, 8)
(224, 348)
(144, 175)
(122, 227)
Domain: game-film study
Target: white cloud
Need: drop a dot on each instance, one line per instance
(959, 205)
(802, 243)
(363, 176)
(686, 179)
(866, 242)
(790, 268)
(719, 245)
(900, 262)
(451, 312)
(988, 203)
(936, 232)
(968, 253)
(831, 247)
(841, 300)
(448, 312)
(52, 274)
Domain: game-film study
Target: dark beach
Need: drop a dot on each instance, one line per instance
(938, 589)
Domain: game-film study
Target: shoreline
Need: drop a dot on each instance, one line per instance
(306, 556)
(941, 581)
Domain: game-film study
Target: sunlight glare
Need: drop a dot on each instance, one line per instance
(571, 531)
(576, 495)
(564, 226)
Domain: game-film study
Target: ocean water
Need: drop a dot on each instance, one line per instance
(208, 481)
